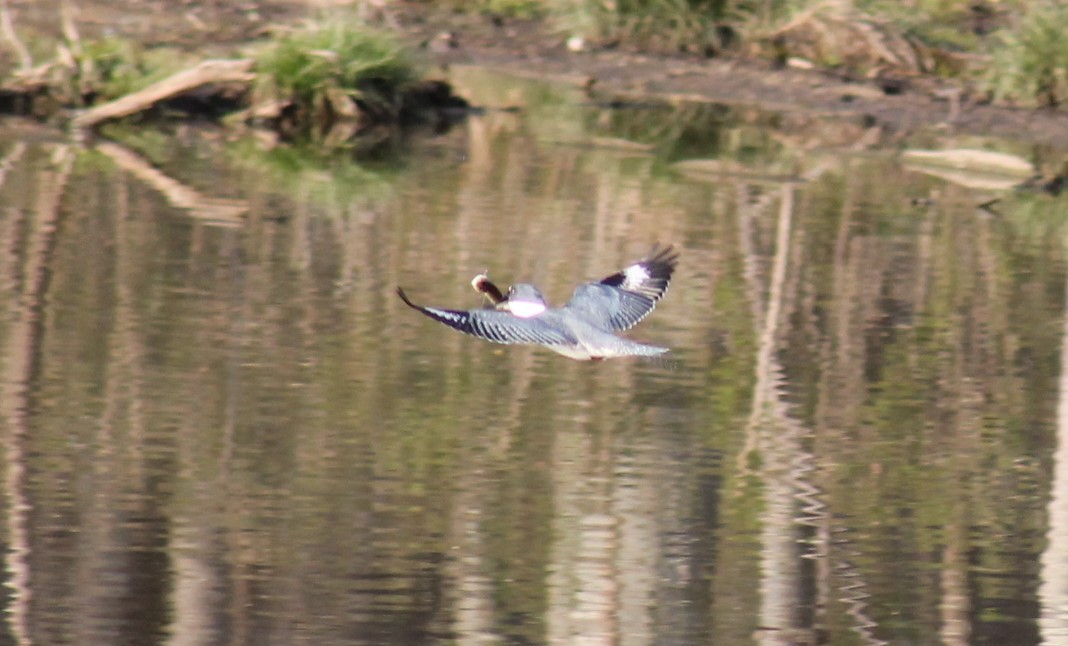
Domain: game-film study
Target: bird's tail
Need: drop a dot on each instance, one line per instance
(642, 350)
(666, 361)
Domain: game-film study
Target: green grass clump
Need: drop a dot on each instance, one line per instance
(308, 63)
(937, 23)
(521, 9)
(1030, 65)
(666, 25)
(113, 67)
(512, 8)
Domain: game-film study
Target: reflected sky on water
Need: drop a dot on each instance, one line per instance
(222, 427)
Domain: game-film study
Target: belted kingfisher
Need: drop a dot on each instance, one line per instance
(582, 329)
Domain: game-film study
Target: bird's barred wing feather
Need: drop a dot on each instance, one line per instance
(618, 302)
(495, 326)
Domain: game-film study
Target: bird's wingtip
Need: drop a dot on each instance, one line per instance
(666, 253)
(404, 297)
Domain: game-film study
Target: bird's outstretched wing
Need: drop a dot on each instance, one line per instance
(618, 302)
(496, 326)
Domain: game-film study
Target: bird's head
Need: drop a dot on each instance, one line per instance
(524, 301)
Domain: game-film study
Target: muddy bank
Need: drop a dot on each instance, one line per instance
(902, 107)
(325, 79)
(533, 49)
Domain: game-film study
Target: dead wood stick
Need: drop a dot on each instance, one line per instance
(211, 71)
(8, 29)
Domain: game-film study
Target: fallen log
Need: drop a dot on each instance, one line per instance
(216, 71)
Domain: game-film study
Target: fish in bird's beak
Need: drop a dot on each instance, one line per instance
(483, 285)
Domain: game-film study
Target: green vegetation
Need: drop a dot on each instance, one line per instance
(662, 25)
(313, 64)
(335, 78)
(92, 71)
(509, 8)
(1030, 66)
(945, 23)
(337, 71)
(114, 67)
(1012, 49)
(521, 9)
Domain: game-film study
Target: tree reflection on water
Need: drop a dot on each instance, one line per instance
(228, 429)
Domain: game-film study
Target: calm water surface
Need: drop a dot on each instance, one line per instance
(220, 426)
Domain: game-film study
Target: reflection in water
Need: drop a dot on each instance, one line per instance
(31, 234)
(1053, 590)
(221, 425)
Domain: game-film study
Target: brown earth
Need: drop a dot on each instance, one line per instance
(919, 103)
(215, 27)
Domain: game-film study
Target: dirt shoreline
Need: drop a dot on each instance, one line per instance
(924, 104)
(532, 49)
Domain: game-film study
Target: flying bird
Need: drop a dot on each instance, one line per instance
(585, 327)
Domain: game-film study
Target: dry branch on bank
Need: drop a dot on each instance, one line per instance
(349, 110)
(330, 81)
(211, 72)
(219, 81)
